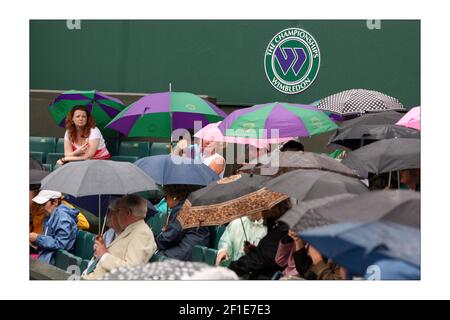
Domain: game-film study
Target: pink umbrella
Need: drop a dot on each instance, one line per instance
(411, 119)
(212, 133)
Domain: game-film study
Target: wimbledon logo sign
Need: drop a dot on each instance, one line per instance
(292, 60)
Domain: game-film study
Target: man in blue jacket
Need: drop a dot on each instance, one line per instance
(60, 226)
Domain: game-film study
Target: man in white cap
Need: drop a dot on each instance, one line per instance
(60, 226)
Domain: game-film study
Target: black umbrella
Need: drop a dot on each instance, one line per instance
(395, 206)
(313, 184)
(37, 175)
(357, 231)
(282, 162)
(368, 128)
(358, 136)
(228, 199)
(35, 164)
(385, 156)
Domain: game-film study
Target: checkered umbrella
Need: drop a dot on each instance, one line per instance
(356, 101)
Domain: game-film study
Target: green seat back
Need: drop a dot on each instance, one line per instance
(53, 157)
(157, 222)
(64, 259)
(131, 159)
(60, 146)
(140, 149)
(159, 148)
(43, 144)
(215, 235)
(198, 253)
(112, 144)
(38, 155)
(84, 245)
(210, 256)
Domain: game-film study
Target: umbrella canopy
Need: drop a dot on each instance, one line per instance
(96, 177)
(35, 164)
(172, 269)
(226, 200)
(37, 175)
(385, 156)
(101, 106)
(170, 169)
(356, 231)
(355, 101)
(312, 184)
(282, 162)
(369, 128)
(390, 269)
(287, 120)
(397, 206)
(411, 119)
(157, 115)
(212, 133)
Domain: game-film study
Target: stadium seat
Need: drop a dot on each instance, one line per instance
(157, 222)
(53, 157)
(210, 256)
(64, 259)
(159, 148)
(215, 234)
(43, 144)
(158, 257)
(48, 167)
(60, 146)
(198, 253)
(84, 245)
(140, 149)
(112, 144)
(131, 159)
(39, 156)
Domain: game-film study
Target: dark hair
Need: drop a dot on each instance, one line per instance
(292, 145)
(70, 126)
(180, 191)
(278, 210)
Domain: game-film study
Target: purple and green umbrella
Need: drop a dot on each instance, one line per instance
(291, 120)
(157, 115)
(102, 107)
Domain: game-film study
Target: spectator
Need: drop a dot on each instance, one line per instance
(231, 244)
(134, 246)
(60, 226)
(82, 140)
(312, 266)
(175, 242)
(285, 254)
(259, 261)
(292, 145)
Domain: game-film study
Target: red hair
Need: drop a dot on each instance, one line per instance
(70, 126)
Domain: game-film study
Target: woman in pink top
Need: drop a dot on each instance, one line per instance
(285, 254)
(82, 140)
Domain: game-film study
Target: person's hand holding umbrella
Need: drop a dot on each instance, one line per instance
(99, 247)
(299, 244)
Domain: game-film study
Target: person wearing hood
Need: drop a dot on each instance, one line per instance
(60, 226)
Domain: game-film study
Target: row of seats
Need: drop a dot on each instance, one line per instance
(80, 255)
(48, 150)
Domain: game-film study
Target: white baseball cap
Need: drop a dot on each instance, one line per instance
(46, 195)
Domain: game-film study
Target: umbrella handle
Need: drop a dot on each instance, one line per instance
(243, 228)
